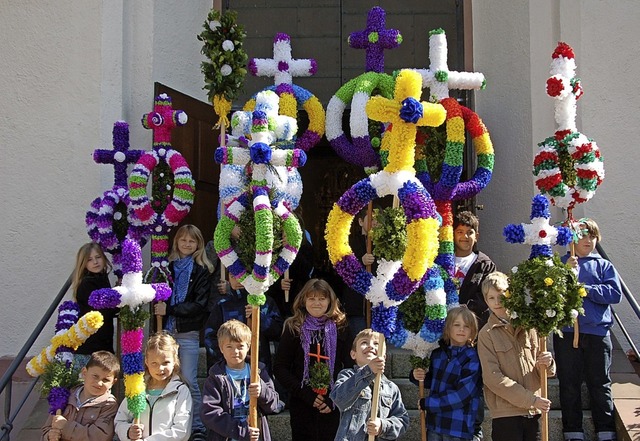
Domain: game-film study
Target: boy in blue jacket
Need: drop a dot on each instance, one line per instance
(591, 360)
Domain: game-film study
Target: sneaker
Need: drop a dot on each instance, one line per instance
(198, 436)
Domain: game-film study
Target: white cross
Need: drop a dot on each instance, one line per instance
(438, 78)
(282, 67)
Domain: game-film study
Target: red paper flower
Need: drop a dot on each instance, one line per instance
(563, 50)
(542, 234)
(554, 86)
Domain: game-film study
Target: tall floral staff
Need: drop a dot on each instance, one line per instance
(257, 159)
(544, 293)
(111, 219)
(130, 297)
(362, 149)
(568, 166)
(172, 189)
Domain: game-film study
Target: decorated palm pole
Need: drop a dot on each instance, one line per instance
(395, 280)
(259, 157)
(362, 149)
(131, 297)
(173, 186)
(544, 293)
(110, 219)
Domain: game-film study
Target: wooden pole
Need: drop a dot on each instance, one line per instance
(286, 291)
(423, 414)
(255, 339)
(158, 323)
(382, 350)
(367, 228)
(576, 330)
(543, 384)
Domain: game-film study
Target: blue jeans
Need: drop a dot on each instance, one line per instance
(188, 354)
(433, 436)
(590, 362)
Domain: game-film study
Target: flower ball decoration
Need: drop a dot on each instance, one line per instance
(130, 297)
(544, 293)
(258, 158)
(111, 219)
(225, 68)
(362, 149)
(283, 67)
(568, 166)
(173, 186)
(395, 280)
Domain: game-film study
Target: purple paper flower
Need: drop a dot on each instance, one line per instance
(58, 398)
(411, 110)
(105, 298)
(131, 257)
(163, 291)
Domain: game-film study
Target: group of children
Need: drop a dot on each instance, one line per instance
(328, 396)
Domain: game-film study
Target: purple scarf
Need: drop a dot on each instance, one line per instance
(309, 326)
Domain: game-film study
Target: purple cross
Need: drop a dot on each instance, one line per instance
(120, 156)
(374, 39)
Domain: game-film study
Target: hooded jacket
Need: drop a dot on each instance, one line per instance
(168, 418)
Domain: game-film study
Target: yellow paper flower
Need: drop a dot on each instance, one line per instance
(582, 292)
(548, 281)
(134, 384)
(507, 294)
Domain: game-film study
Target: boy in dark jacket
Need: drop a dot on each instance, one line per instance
(225, 401)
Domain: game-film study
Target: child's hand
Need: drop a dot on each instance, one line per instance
(368, 259)
(160, 308)
(247, 310)
(254, 390)
(544, 359)
(377, 365)
(374, 426)
(135, 431)
(254, 433)
(54, 435)
(234, 283)
(321, 405)
(543, 404)
(58, 422)
(573, 261)
(285, 284)
(419, 374)
(222, 287)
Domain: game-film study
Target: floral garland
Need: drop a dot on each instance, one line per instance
(130, 296)
(282, 67)
(319, 378)
(180, 193)
(568, 166)
(395, 280)
(225, 68)
(257, 159)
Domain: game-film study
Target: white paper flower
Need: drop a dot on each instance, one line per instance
(117, 215)
(228, 45)
(550, 313)
(225, 70)
(214, 24)
(548, 262)
(574, 314)
(514, 269)
(514, 315)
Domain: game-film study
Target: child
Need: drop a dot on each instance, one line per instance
(510, 359)
(225, 405)
(91, 408)
(92, 272)
(454, 380)
(352, 395)
(187, 308)
(471, 267)
(233, 305)
(591, 361)
(317, 332)
(167, 415)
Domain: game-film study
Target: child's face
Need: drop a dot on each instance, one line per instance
(460, 332)
(586, 244)
(494, 301)
(464, 238)
(97, 381)
(187, 245)
(160, 365)
(95, 263)
(317, 303)
(234, 352)
(366, 350)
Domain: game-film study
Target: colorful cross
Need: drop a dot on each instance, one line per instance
(539, 234)
(317, 354)
(374, 39)
(438, 78)
(163, 120)
(120, 156)
(282, 67)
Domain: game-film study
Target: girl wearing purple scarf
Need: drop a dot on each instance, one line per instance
(316, 333)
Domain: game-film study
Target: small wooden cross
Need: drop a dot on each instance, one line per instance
(282, 67)
(120, 157)
(374, 39)
(317, 354)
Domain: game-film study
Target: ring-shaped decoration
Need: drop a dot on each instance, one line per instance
(574, 182)
(399, 279)
(292, 97)
(183, 187)
(357, 91)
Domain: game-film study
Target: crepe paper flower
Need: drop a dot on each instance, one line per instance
(514, 315)
(582, 292)
(375, 39)
(568, 166)
(131, 341)
(58, 399)
(173, 192)
(514, 269)
(539, 233)
(282, 67)
(548, 281)
(507, 294)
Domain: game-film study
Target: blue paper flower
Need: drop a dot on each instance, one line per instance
(411, 110)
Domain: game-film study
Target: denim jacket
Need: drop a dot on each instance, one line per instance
(353, 397)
